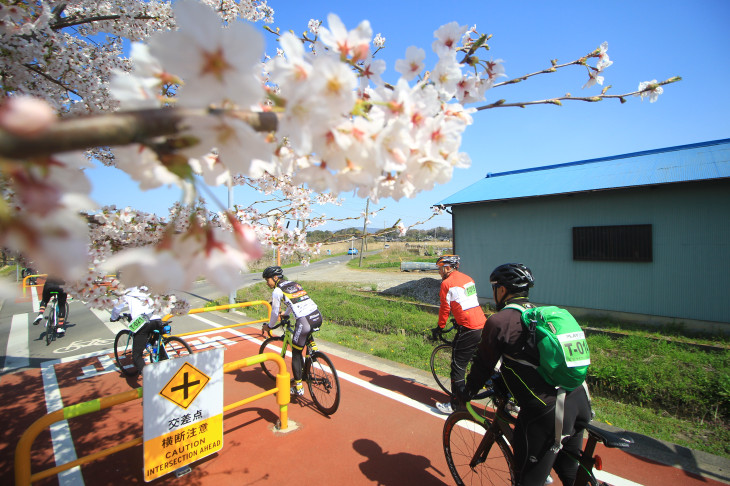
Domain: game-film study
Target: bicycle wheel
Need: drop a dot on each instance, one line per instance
(441, 366)
(176, 347)
(123, 352)
(271, 345)
(324, 386)
(474, 458)
(50, 328)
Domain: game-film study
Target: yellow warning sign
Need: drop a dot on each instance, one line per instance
(171, 451)
(185, 385)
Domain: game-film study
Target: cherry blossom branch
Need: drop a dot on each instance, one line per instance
(120, 128)
(74, 21)
(39, 72)
(394, 228)
(554, 68)
(591, 99)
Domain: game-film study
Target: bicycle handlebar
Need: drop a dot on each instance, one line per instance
(284, 321)
(440, 336)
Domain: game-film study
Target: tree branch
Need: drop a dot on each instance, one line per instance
(73, 21)
(591, 99)
(120, 128)
(36, 70)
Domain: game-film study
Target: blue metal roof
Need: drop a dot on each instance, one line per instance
(695, 162)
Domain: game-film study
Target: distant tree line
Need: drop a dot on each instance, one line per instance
(412, 235)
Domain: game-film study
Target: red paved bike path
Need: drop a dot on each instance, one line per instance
(373, 438)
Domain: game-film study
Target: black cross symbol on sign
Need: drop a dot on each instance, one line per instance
(184, 387)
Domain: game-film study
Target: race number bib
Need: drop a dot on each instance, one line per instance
(575, 349)
(137, 323)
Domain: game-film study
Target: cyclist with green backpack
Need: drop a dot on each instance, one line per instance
(539, 381)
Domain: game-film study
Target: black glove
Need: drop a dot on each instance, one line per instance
(435, 333)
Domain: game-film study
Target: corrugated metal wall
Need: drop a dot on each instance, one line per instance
(689, 277)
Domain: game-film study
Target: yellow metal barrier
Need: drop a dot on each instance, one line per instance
(25, 281)
(224, 307)
(22, 451)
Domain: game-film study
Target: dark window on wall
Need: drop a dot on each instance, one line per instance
(628, 243)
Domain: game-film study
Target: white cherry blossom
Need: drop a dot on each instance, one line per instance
(603, 61)
(650, 89)
(209, 59)
(354, 44)
(413, 64)
(447, 38)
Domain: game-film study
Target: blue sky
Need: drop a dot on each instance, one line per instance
(671, 38)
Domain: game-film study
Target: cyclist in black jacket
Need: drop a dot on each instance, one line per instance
(53, 284)
(504, 336)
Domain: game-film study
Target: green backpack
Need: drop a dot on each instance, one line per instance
(564, 354)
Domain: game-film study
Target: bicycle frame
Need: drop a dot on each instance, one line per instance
(152, 345)
(287, 338)
(502, 425)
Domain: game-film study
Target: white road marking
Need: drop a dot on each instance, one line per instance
(36, 301)
(63, 446)
(104, 316)
(108, 365)
(613, 479)
(17, 354)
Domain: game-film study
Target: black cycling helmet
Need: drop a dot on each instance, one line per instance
(515, 277)
(450, 260)
(271, 272)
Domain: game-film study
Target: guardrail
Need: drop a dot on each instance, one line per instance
(224, 307)
(25, 281)
(23, 474)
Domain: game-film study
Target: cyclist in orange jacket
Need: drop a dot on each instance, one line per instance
(458, 296)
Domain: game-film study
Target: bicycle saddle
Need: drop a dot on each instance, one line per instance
(610, 439)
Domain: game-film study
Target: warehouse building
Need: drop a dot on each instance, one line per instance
(643, 236)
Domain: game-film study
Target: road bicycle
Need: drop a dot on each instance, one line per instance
(478, 449)
(319, 372)
(441, 358)
(172, 346)
(52, 319)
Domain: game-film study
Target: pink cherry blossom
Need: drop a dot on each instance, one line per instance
(25, 115)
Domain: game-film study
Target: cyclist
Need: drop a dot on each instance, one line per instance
(458, 296)
(140, 303)
(504, 336)
(297, 302)
(53, 284)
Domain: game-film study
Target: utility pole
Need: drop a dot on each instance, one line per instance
(232, 295)
(364, 230)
